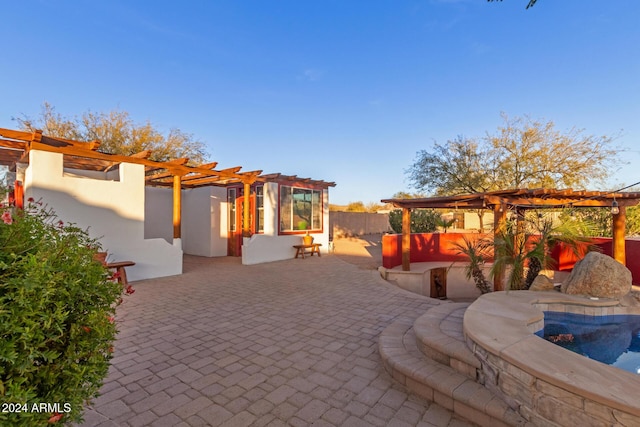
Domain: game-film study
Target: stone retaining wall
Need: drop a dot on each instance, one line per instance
(546, 384)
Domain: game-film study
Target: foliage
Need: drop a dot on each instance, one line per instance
(524, 247)
(459, 166)
(422, 220)
(407, 195)
(445, 224)
(599, 221)
(478, 251)
(356, 207)
(118, 134)
(524, 153)
(56, 317)
(373, 207)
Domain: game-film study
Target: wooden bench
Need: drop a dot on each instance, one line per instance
(302, 249)
(122, 273)
(118, 266)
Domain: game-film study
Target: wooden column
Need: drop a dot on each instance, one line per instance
(619, 220)
(406, 239)
(499, 217)
(177, 206)
(246, 207)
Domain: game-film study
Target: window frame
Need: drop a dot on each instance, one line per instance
(320, 206)
(259, 206)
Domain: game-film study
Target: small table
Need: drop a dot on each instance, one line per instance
(302, 249)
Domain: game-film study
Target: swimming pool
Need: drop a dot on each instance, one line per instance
(613, 339)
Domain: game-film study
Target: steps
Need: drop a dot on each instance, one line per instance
(430, 358)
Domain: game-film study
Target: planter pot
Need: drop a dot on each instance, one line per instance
(307, 239)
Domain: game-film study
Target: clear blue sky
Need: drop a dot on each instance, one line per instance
(340, 90)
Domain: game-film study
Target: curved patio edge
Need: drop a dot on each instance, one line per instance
(542, 381)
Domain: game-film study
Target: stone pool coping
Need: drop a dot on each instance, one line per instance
(538, 378)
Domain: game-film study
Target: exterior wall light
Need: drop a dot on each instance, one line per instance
(615, 210)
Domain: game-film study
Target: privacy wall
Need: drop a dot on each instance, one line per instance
(110, 205)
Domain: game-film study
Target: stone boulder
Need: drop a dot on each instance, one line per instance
(598, 275)
(542, 283)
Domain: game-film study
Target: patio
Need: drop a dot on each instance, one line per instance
(286, 343)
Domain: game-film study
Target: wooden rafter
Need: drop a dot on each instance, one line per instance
(19, 145)
(161, 175)
(523, 199)
(21, 135)
(293, 179)
(15, 146)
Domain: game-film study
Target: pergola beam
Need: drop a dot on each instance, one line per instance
(177, 208)
(406, 239)
(520, 200)
(618, 242)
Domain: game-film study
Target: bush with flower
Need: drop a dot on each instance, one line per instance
(57, 307)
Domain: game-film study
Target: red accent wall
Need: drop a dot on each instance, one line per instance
(425, 247)
(430, 247)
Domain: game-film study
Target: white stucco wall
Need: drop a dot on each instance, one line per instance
(112, 210)
(158, 213)
(269, 246)
(204, 221)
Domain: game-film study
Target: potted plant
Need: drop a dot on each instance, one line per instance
(307, 239)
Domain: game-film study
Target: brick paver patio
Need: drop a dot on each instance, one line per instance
(290, 343)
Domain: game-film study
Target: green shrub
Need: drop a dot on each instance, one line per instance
(56, 318)
(422, 220)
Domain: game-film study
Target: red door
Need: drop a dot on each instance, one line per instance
(235, 199)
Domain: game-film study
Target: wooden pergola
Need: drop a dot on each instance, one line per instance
(15, 146)
(518, 201)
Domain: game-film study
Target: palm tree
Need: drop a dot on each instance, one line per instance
(445, 223)
(527, 248)
(510, 253)
(477, 250)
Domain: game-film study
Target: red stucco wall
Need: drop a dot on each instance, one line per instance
(429, 247)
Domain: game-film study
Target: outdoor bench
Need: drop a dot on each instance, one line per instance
(302, 249)
(118, 266)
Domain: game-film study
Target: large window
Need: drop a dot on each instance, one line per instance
(300, 209)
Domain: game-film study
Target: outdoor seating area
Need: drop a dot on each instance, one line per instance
(310, 249)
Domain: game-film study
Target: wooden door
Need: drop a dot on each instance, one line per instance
(235, 199)
(439, 283)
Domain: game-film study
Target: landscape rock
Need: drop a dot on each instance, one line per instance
(598, 275)
(542, 283)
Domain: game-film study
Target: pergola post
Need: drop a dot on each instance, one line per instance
(177, 209)
(246, 206)
(499, 217)
(406, 239)
(618, 243)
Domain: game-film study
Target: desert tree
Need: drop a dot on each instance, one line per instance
(523, 153)
(532, 154)
(459, 166)
(117, 133)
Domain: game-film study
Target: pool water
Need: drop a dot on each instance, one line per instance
(614, 340)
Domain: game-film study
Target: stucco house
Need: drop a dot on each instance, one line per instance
(154, 212)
